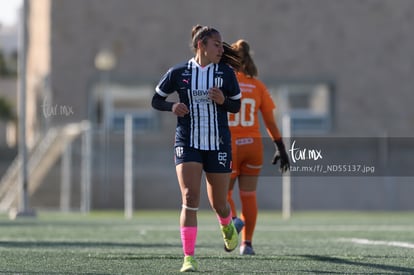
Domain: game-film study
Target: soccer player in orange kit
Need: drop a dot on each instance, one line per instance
(247, 147)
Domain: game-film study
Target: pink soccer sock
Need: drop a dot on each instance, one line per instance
(224, 221)
(188, 239)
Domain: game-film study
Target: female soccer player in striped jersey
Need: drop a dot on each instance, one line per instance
(208, 89)
(247, 147)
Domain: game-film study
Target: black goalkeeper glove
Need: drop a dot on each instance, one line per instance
(282, 155)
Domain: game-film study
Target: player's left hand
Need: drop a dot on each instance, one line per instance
(281, 155)
(216, 95)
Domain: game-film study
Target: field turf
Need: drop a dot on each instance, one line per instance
(308, 243)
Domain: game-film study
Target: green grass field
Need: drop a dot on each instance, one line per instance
(308, 243)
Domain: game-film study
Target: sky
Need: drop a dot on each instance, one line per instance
(9, 11)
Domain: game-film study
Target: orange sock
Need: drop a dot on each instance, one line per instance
(231, 203)
(249, 214)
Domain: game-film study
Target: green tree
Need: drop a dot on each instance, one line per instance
(3, 65)
(8, 66)
(6, 110)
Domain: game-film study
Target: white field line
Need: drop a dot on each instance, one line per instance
(336, 228)
(284, 228)
(385, 243)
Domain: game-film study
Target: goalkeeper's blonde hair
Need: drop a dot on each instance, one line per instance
(247, 67)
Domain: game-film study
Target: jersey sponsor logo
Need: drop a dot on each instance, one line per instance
(246, 88)
(200, 96)
(199, 92)
(244, 141)
(252, 86)
(186, 73)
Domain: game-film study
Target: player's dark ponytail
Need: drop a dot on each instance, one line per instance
(231, 57)
(194, 39)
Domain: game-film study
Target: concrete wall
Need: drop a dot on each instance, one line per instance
(362, 46)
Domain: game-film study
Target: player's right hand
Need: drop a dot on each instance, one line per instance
(180, 109)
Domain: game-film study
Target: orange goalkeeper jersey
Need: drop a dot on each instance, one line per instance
(255, 98)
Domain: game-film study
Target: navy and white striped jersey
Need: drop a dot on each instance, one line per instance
(206, 126)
